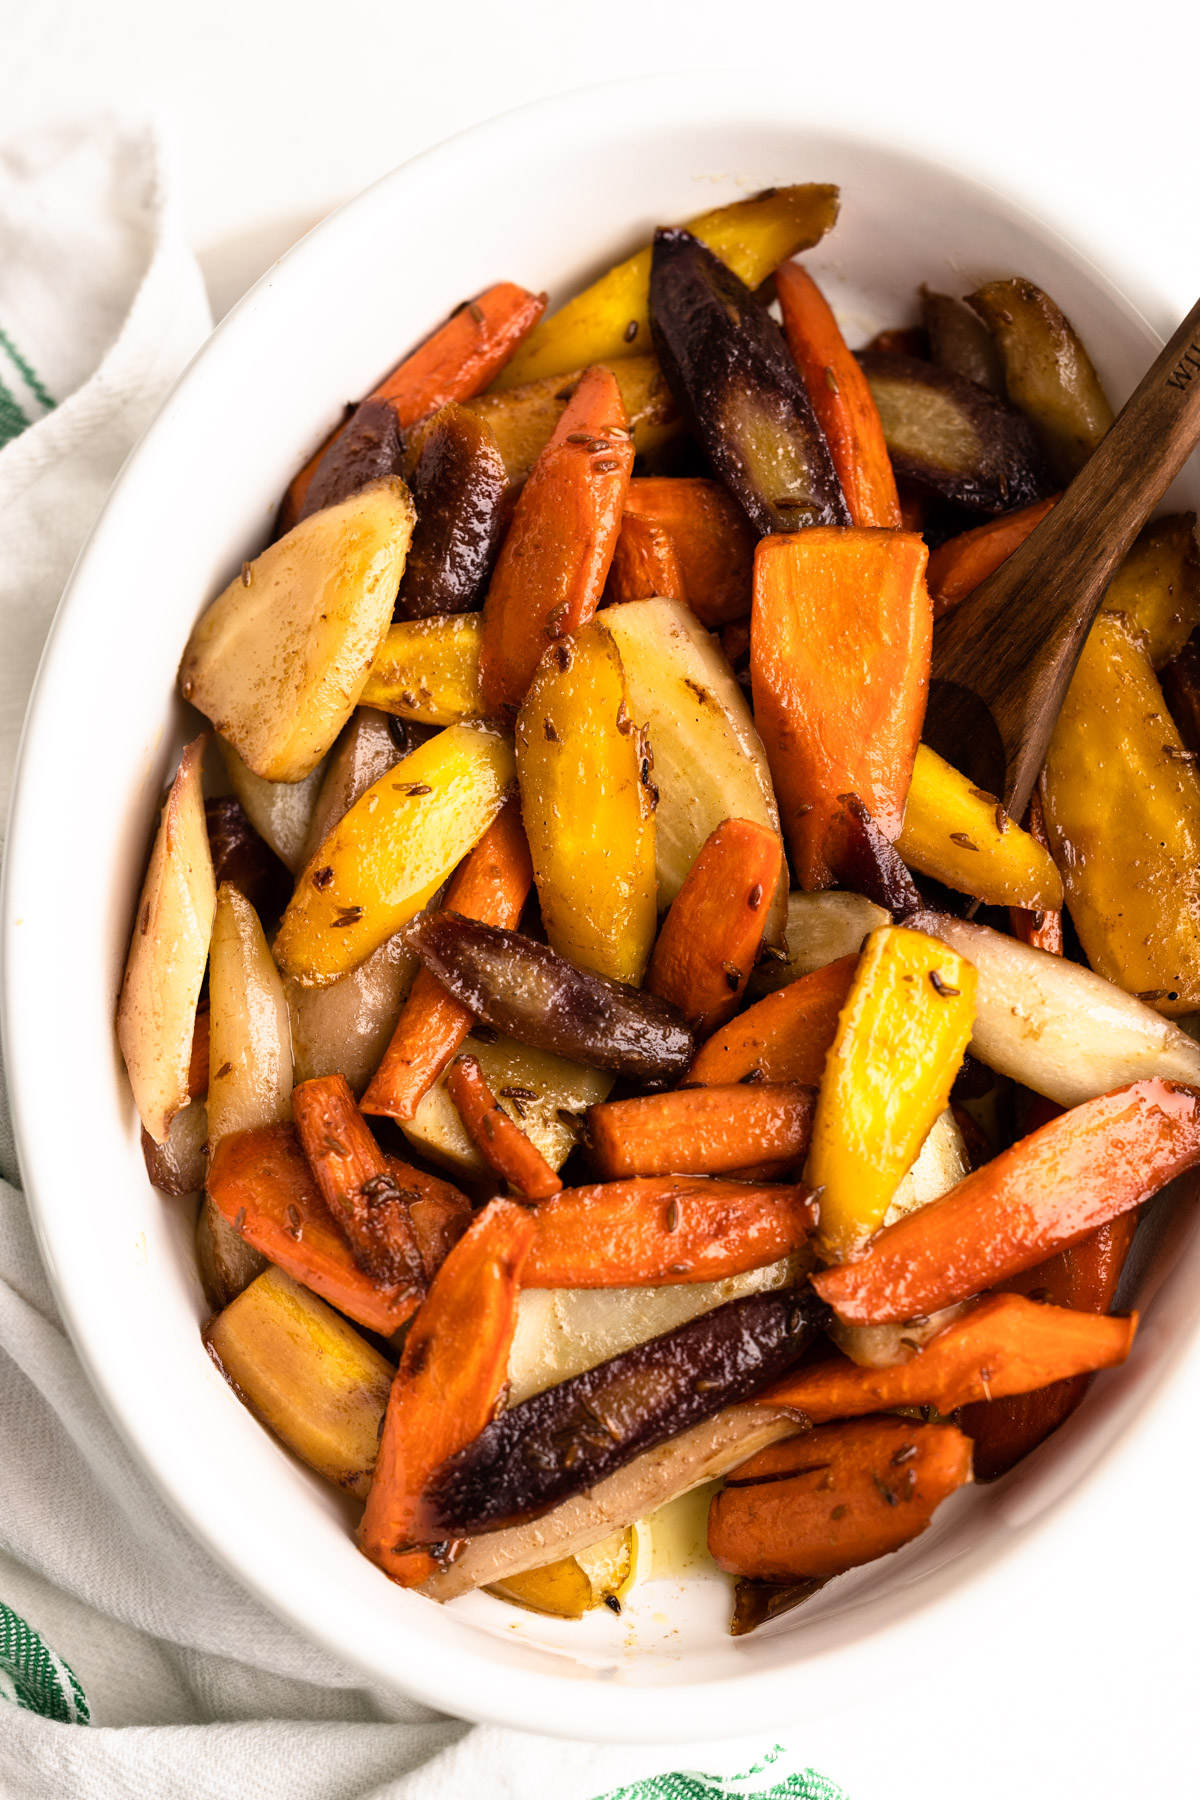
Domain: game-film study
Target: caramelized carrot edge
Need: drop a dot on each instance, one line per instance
(452, 1371)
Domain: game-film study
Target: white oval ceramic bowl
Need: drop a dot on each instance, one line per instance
(547, 197)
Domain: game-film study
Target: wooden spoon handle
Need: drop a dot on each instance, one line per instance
(1016, 640)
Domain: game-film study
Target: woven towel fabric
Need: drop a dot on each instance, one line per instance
(109, 1611)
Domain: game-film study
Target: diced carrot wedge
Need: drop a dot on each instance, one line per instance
(455, 362)
(1054, 1187)
(261, 1183)
(451, 1373)
(701, 1130)
(836, 1497)
(1085, 1277)
(840, 398)
(710, 540)
(439, 1211)
(645, 563)
(1005, 1345)
(710, 939)
(355, 1181)
(500, 1141)
(664, 1232)
(840, 641)
(554, 562)
(492, 885)
(963, 563)
(785, 1037)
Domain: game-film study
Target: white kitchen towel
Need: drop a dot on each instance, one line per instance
(131, 1666)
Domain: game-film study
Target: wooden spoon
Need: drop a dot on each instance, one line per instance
(1003, 659)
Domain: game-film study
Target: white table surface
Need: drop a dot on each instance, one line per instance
(1081, 1673)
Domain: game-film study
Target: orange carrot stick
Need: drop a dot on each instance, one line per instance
(784, 1037)
(710, 938)
(1044, 930)
(500, 1141)
(840, 643)
(261, 1183)
(836, 1497)
(962, 563)
(712, 543)
(355, 1181)
(645, 562)
(1085, 1277)
(454, 1365)
(439, 1211)
(456, 362)
(665, 1232)
(1044, 1194)
(554, 562)
(700, 1130)
(840, 398)
(1005, 1345)
(492, 885)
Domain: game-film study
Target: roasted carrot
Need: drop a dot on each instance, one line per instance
(1044, 929)
(840, 641)
(840, 398)
(785, 1037)
(500, 1141)
(712, 544)
(710, 939)
(1085, 1277)
(700, 1130)
(834, 1498)
(1007, 1345)
(645, 563)
(355, 1181)
(962, 563)
(456, 362)
(439, 1211)
(261, 1183)
(553, 564)
(491, 884)
(198, 1066)
(1044, 1194)
(451, 1373)
(662, 1233)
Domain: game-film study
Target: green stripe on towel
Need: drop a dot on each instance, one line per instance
(33, 1677)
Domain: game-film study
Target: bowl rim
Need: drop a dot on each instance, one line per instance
(475, 1682)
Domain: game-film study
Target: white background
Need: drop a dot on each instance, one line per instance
(1081, 1673)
